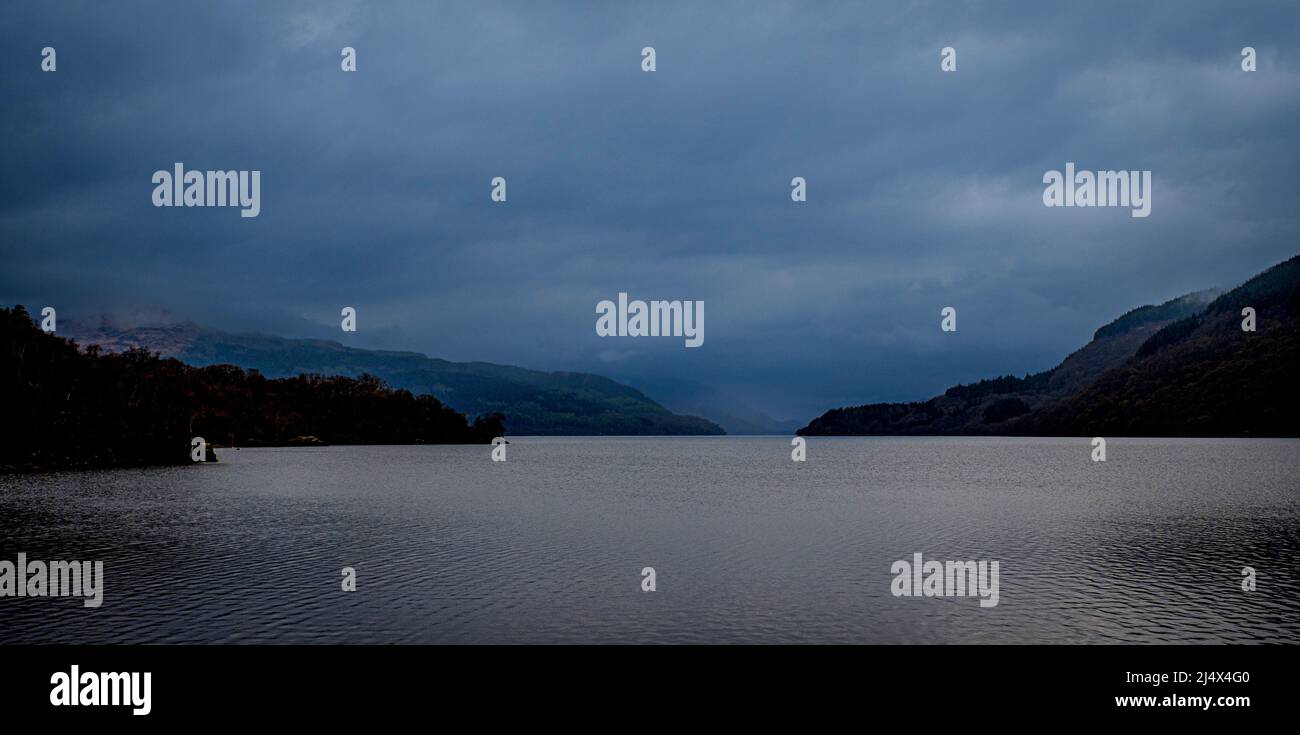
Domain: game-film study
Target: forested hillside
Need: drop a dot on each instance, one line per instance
(68, 408)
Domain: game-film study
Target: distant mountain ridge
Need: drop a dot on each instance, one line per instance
(533, 402)
(729, 409)
(1201, 375)
(1181, 368)
(1119, 340)
(71, 408)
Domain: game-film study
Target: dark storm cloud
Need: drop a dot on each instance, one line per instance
(924, 187)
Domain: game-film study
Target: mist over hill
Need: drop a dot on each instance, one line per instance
(1181, 368)
(533, 402)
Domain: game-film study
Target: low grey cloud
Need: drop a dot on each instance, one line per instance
(924, 187)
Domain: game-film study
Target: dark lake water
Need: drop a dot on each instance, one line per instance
(747, 546)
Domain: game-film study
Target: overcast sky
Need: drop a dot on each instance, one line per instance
(924, 187)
